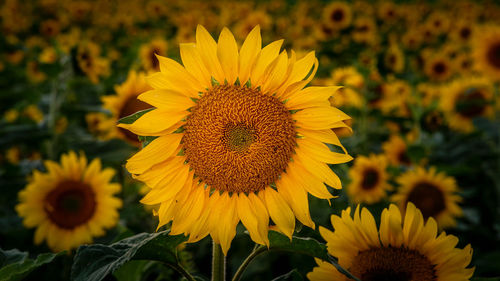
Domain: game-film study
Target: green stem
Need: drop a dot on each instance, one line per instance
(218, 263)
(182, 271)
(257, 250)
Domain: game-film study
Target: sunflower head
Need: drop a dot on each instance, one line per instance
(432, 192)
(486, 51)
(70, 203)
(368, 179)
(396, 151)
(408, 242)
(238, 138)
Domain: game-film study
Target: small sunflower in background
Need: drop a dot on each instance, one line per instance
(396, 99)
(149, 51)
(462, 31)
(365, 31)
(238, 138)
(368, 179)
(352, 81)
(438, 68)
(439, 22)
(71, 203)
(394, 58)
(90, 62)
(337, 15)
(466, 99)
(401, 249)
(486, 51)
(432, 192)
(125, 103)
(396, 151)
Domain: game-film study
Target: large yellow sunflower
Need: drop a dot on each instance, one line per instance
(125, 103)
(432, 192)
(408, 249)
(71, 203)
(486, 50)
(466, 99)
(368, 179)
(238, 138)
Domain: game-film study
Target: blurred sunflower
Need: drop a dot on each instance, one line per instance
(433, 193)
(365, 31)
(486, 50)
(239, 138)
(395, 149)
(352, 81)
(439, 22)
(71, 203)
(90, 62)
(466, 99)
(408, 249)
(462, 31)
(394, 58)
(368, 179)
(148, 52)
(438, 68)
(125, 103)
(337, 15)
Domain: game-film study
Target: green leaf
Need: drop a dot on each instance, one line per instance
(131, 118)
(307, 246)
(132, 270)
(293, 275)
(15, 265)
(94, 262)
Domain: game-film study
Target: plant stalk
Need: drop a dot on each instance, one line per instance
(218, 263)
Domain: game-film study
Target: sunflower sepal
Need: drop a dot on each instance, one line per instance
(132, 118)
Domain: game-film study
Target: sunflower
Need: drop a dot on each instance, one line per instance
(394, 59)
(238, 138)
(465, 100)
(125, 103)
(396, 152)
(352, 81)
(432, 192)
(71, 203)
(369, 179)
(148, 52)
(365, 31)
(402, 249)
(438, 68)
(90, 62)
(337, 15)
(486, 51)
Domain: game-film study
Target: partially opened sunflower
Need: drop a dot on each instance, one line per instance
(239, 137)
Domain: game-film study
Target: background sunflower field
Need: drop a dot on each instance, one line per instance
(421, 82)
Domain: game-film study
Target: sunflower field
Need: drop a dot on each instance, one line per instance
(250, 140)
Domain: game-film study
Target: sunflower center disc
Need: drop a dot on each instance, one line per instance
(428, 198)
(238, 139)
(494, 55)
(370, 179)
(70, 204)
(471, 103)
(395, 264)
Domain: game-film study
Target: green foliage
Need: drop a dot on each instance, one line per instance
(15, 265)
(95, 262)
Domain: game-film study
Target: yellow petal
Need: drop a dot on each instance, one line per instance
(326, 136)
(262, 216)
(279, 211)
(154, 122)
(178, 75)
(168, 189)
(321, 170)
(248, 54)
(296, 197)
(267, 55)
(319, 118)
(227, 52)
(302, 67)
(320, 152)
(166, 100)
(308, 181)
(275, 74)
(208, 52)
(311, 97)
(192, 61)
(246, 213)
(155, 152)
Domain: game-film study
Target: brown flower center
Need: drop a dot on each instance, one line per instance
(370, 179)
(465, 33)
(439, 68)
(238, 139)
(493, 55)
(394, 264)
(428, 198)
(70, 204)
(154, 61)
(337, 15)
(471, 103)
(403, 157)
(131, 106)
